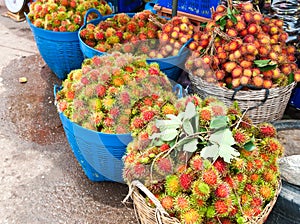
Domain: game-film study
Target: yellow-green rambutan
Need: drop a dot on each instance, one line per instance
(172, 185)
(191, 217)
(201, 190)
(272, 146)
(266, 191)
(240, 136)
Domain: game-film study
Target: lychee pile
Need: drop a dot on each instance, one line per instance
(116, 93)
(240, 46)
(145, 33)
(64, 15)
(197, 189)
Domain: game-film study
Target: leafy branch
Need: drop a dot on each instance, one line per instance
(185, 134)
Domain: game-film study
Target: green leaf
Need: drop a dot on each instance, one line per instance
(174, 118)
(222, 137)
(191, 146)
(262, 63)
(168, 134)
(235, 11)
(187, 127)
(195, 123)
(157, 142)
(249, 146)
(167, 124)
(231, 16)
(291, 78)
(190, 111)
(227, 152)
(218, 122)
(211, 151)
(222, 22)
(155, 136)
(180, 116)
(267, 68)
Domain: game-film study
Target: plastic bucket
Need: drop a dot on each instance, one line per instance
(171, 66)
(60, 50)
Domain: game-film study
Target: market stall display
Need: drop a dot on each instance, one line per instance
(242, 55)
(163, 41)
(207, 164)
(106, 102)
(55, 26)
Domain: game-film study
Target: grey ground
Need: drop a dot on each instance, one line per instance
(40, 179)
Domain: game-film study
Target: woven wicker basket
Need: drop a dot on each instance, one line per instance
(264, 105)
(158, 215)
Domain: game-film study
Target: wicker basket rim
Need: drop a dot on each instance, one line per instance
(249, 94)
(160, 213)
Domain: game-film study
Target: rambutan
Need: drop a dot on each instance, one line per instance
(267, 130)
(185, 181)
(240, 136)
(272, 146)
(218, 108)
(196, 162)
(221, 166)
(137, 123)
(181, 203)
(269, 176)
(164, 166)
(148, 115)
(172, 185)
(221, 207)
(169, 109)
(167, 202)
(266, 191)
(205, 114)
(210, 177)
(191, 216)
(254, 177)
(222, 190)
(200, 190)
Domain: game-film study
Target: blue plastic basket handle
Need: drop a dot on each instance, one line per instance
(89, 12)
(178, 90)
(56, 89)
(185, 46)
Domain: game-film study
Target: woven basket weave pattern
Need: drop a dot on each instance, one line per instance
(157, 215)
(270, 110)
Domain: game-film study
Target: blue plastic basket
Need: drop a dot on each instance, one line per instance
(60, 50)
(125, 5)
(199, 8)
(150, 6)
(99, 154)
(295, 98)
(171, 66)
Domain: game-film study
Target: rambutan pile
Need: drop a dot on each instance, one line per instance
(145, 33)
(207, 170)
(242, 47)
(64, 15)
(116, 93)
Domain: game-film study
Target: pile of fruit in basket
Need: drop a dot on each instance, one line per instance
(240, 46)
(117, 93)
(141, 33)
(64, 15)
(207, 163)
